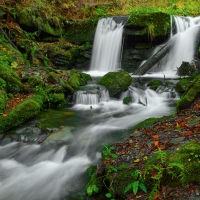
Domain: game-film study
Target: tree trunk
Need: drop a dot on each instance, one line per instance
(154, 59)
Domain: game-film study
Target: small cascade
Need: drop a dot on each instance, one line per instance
(91, 97)
(83, 97)
(107, 46)
(184, 45)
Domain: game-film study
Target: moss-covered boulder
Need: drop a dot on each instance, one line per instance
(57, 100)
(127, 100)
(116, 82)
(189, 156)
(34, 81)
(192, 92)
(78, 79)
(22, 112)
(182, 85)
(154, 84)
(186, 69)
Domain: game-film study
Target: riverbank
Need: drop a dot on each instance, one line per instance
(158, 161)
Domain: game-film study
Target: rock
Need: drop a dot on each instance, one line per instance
(192, 92)
(127, 100)
(154, 84)
(186, 69)
(182, 85)
(116, 82)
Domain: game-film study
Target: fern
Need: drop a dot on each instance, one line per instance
(135, 187)
(161, 155)
(138, 183)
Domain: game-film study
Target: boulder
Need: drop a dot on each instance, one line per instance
(182, 85)
(189, 96)
(116, 82)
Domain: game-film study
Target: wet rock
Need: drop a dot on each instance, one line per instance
(177, 140)
(116, 82)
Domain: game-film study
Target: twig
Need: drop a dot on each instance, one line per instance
(4, 33)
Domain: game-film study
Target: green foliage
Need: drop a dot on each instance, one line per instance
(137, 183)
(107, 152)
(161, 170)
(92, 190)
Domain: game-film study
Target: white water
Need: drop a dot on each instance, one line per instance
(107, 46)
(38, 172)
(52, 171)
(185, 42)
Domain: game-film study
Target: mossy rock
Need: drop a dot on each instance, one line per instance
(74, 81)
(154, 22)
(182, 85)
(189, 156)
(34, 81)
(127, 100)
(13, 83)
(22, 112)
(116, 82)
(186, 69)
(192, 92)
(57, 100)
(3, 100)
(154, 84)
(53, 78)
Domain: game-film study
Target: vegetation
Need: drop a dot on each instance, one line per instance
(116, 82)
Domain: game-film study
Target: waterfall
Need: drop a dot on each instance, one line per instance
(184, 45)
(107, 46)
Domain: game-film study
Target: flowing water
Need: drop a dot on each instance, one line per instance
(184, 45)
(106, 54)
(54, 170)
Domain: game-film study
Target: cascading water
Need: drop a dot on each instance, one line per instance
(54, 170)
(184, 45)
(107, 46)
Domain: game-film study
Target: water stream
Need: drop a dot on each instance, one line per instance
(184, 48)
(54, 170)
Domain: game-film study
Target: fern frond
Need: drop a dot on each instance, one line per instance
(143, 187)
(135, 187)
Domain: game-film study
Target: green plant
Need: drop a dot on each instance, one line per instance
(137, 183)
(160, 170)
(107, 152)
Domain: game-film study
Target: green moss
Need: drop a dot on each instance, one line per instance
(154, 84)
(153, 20)
(121, 180)
(13, 83)
(34, 81)
(189, 156)
(127, 100)
(142, 46)
(22, 112)
(149, 122)
(3, 100)
(74, 81)
(57, 100)
(116, 82)
(192, 92)
(182, 85)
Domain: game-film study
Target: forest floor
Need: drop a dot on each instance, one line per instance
(166, 135)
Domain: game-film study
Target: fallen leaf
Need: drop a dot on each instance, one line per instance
(156, 143)
(155, 136)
